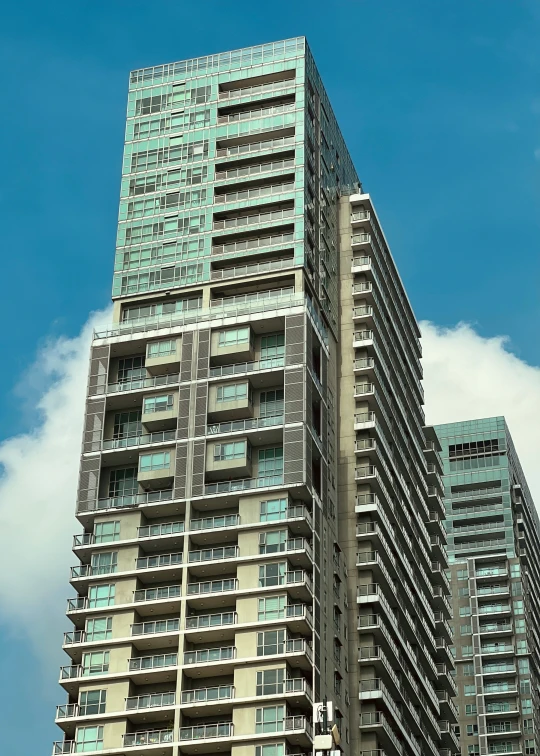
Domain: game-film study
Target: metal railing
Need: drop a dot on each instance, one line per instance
(253, 218)
(205, 695)
(255, 423)
(218, 521)
(203, 732)
(253, 298)
(254, 170)
(211, 620)
(247, 367)
(150, 701)
(133, 500)
(156, 626)
(257, 89)
(157, 594)
(259, 112)
(255, 192)
(159, 560)
(268, 144)
(153, 662)
(253, 269)
(207, 655)
(148, 737)
(142, 383)
(161, 529)
(212, 586)
(127, 442)
(212, 554)
(243, 485)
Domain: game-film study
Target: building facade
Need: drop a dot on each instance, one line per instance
(256, 487)
(494, 553)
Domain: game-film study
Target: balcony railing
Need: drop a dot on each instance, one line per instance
(164, 528)
(246, 367)
(254, 170)
(158, 626)
(243, 485)
(211, 523)
(269, 144)
(255, 192)
(133, 500)
(158, 594)
(495, 627)
(211, 620)
(255, 423)
(159, 560)
(150, 701)
(240, 300)
(260, 112)
(205, 695)
(146, 438)
(207, 655)
(148, 737)
(212, 586)
(254, 218)
(153, 662)
(204, 732)
(252, 269)
(213, 554)
(142, 383)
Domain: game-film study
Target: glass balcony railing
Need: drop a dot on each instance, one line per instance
(163, 528)
(159, 560)
(148, 737)
(212, 586)
(211, 523)
(204, 732)
(260, 112)
(150, 701)
(207, 655)
(206, 695)
(139, 440)
(246, 367)
(255, 192)
(157, 594)
(153, 662)
(143, 383)
(254, 219)
(214, 554)
(211, 620)
(269, 144)
(157, 626)
(254, 170)
(252, 269)
(243, 485)
(255, 423)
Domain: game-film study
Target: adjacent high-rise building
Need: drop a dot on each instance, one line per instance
(494, 552)
(259, 500)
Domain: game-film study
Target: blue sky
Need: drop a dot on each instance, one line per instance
(438, 101)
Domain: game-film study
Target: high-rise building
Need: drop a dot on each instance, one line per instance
(255, 498)
(494, 553)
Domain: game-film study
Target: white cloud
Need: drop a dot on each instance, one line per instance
(38, 483)
(468, 377)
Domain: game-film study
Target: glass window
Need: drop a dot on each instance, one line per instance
(158, 403)
(101, 595)
(272, 608)
(522, 647)
(464, 611)
(469, 690)
(131, 369)
(270, 749)
(462, 574)
(515, 570)
(519, 624)
(104, 563)
(272, 346)
(270, 462)
(269, 719)
(274, 509)
(518, 607)
(272, 574)
(95, 663)
(123, 482)
(105, 532)
(463, 592)
(89, 739)
(470, 709)
(472, 729)
(127, 424)
(155, 461)
(523, 666)
(465, 629)
(270, 642)
(271, 403)
(234, 336)
(92, 702)
(273, 542)
(473, 750)
(99, 629)
(530, 746)
(270, 682)
(526, 706)
(162, 348)
(467, 669)
(235, 450)
(232, 392)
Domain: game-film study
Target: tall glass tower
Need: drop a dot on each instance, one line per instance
(256, 483)
(494, 552)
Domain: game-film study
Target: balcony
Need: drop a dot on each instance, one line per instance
(501, 670)
(215, 660)
(130, 502)
(136, 384)
(497, 648)
(151, 663)
(254, 218)
(128, 442)
(216, 522)
(151, 701)
(161, 529)
(210, 561)
(499, 689)
(447, 706)
(246, 484)
(256, 169)
(496, 628)
(241, 368)
(156, 627)
(148, 738)
(167, 595)
(156, 565)
(252, 269)
(191, 736)
(212, 625)
(279, 143)
(364, 420)
(255, 192)
(250, 424)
